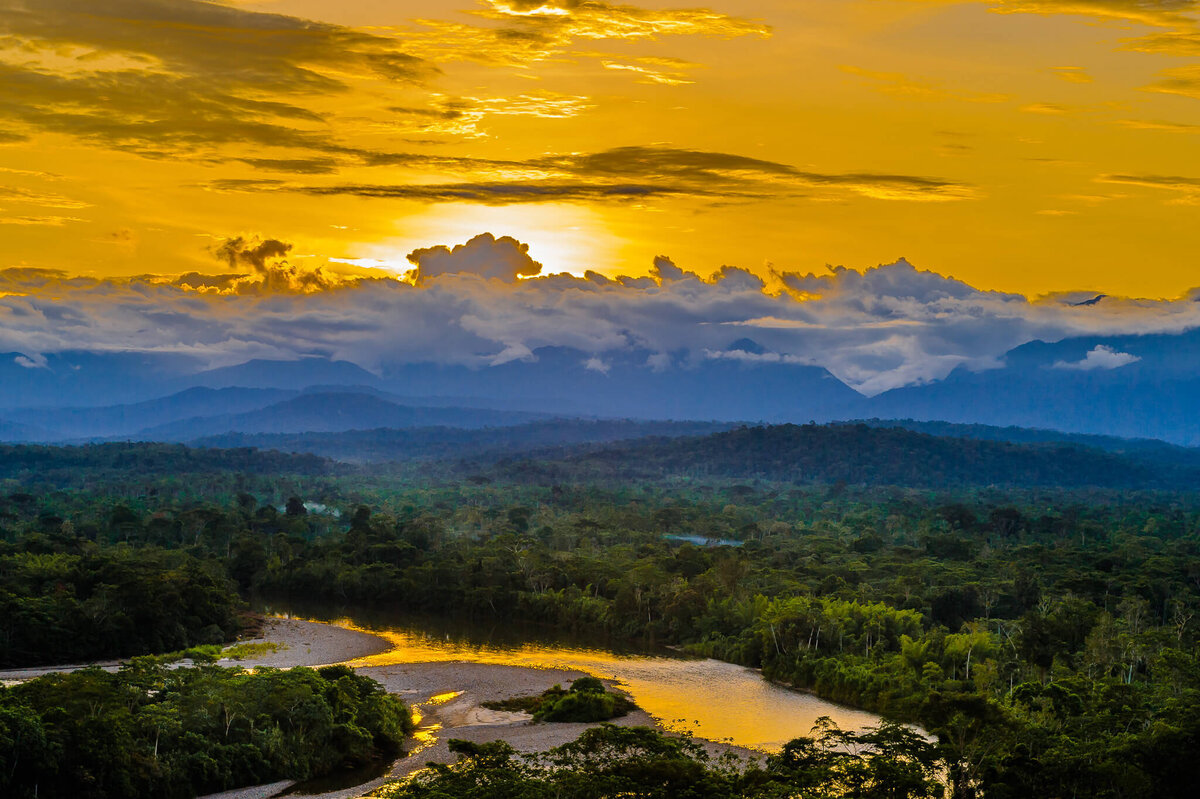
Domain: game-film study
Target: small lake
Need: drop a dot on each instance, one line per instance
(709, 698)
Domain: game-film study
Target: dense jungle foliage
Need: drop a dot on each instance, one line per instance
(1046, 637)
(861, 454)
(154, 731)
(890, 762)
(59, 607)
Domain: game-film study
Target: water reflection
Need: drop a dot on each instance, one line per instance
(709, 698)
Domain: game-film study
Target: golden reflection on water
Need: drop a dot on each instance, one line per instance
(426, 735)
(441, 699)
(708, 698)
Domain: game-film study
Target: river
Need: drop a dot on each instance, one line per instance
(708, 698)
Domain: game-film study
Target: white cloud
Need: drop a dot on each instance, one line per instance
(38, 361)
(597, 365)
(1100, 357)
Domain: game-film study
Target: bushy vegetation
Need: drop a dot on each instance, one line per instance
(889, 762)
(587, 700)
(149, 730)
(58, 607)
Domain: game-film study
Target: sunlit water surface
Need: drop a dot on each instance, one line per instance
(709, 698)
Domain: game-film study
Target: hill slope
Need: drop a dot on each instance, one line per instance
(430, 443)
(64, 424)
(859, 454)
(1149, 449)
(71, 466)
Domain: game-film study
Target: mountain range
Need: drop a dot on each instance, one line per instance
(1131, 386)
(1145, 386)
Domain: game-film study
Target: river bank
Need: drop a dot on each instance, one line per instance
(278, 643)
(446, 677)
(446, 696)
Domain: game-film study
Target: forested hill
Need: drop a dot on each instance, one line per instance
(1147, 449)
(441, 443)
(859, 454)
(65, 466)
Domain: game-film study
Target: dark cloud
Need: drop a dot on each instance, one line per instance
(42, 199)
(173, 77)
(734, 175)
(271, 273)
(1188, 186)
(190, 78)
(513, 193)
(637, 173)
(662, 162)
(196, 281)
(1180, 80)
(1150, 12)
(592, 19)
(1180, 42)
(1154, 124)
(523, 32)
(228, 46)
(297, 166)
(42, 221)
(532, 5)
(666, 271)
(259, 254)
(464, 116)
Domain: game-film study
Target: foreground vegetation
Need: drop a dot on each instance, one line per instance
(586, 700)
(1047, 637)
(96, 603)
(149, 730)
(889, 762)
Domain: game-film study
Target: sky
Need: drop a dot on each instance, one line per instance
(468, 180)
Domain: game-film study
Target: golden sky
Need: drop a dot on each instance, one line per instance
(1024, 145)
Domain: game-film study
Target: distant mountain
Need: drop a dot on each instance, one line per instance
(13, 431)
(640, 385)
(746, 383)
(1129, 386)
(294, 375)
(74, 379)
(1125, 386)
(66, 424)
(445, 401)
(429, 443)
(858, 454)
(330, 412)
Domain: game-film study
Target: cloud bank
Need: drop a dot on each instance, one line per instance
(486, 302)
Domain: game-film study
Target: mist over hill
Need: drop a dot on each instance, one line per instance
(331, 412)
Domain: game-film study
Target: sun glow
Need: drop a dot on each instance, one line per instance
(562, 238)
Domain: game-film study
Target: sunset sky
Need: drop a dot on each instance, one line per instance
(1039, 151)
